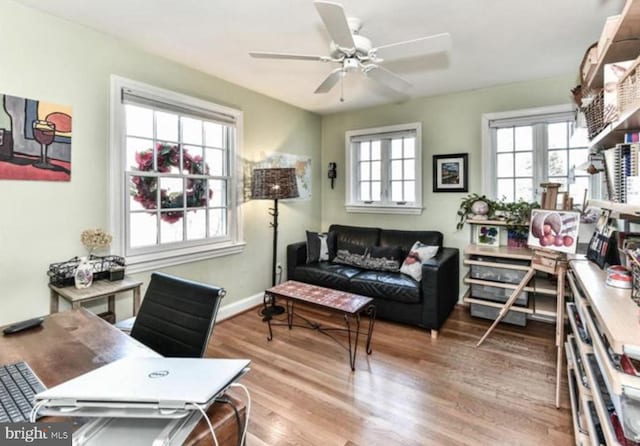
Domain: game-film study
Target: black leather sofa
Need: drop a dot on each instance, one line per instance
(398, 297)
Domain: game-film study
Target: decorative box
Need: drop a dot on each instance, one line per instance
(61, 274)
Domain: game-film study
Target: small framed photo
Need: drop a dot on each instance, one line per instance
(488, 235)
(450, 173)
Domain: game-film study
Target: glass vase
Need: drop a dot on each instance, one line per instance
(83, 277)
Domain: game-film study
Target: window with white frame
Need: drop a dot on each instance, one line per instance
(173, 176)
(527, 147)
(384, 169)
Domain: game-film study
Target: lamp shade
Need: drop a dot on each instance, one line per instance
(274, 184)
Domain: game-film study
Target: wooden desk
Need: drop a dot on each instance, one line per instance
(98, 289)
(74, 342)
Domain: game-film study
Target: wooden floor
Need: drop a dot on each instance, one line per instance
(412, 390)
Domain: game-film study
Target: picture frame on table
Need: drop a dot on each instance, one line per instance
(451, 173)
(487, 235)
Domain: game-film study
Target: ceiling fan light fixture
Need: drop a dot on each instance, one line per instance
(352, 51)
(350, 64)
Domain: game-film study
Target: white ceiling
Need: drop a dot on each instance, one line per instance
(494, 41)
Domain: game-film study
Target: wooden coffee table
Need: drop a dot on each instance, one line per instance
(349, 304)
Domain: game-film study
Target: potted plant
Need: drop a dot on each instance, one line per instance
(475, 206)
(517, 215)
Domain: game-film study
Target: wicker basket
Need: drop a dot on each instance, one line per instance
(594, 112)
(61, 274)
(628, 94)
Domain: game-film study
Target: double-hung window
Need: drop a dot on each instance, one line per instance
(384, 169)
(527, 147)
(174, 194)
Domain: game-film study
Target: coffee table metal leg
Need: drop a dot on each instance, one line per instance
(267, 318)
(290, 304)
(371, 312)
(353, 350)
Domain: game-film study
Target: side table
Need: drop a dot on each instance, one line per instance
(98, 289)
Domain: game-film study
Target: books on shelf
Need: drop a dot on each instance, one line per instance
(630, 137)
(622, 170)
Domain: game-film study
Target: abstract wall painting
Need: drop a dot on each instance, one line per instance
(35, 140)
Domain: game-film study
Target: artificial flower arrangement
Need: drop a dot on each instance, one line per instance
(94, 239)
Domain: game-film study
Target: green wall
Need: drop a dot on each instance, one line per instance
(450, 124)
(43, 57)
(47, 58)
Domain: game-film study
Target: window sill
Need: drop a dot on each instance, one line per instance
(377, 209)
(154, 261)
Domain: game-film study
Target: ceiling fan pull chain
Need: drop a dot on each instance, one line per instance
(342, 87)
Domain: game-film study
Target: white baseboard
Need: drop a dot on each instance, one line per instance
(237, 307)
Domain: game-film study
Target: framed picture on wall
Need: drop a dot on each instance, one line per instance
(450, 173)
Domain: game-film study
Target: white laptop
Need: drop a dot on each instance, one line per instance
(143, 387)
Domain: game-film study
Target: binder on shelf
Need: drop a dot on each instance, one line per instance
(621, 163)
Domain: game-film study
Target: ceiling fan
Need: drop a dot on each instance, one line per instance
(354, 52)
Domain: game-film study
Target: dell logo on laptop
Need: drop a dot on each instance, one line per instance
(159, 374)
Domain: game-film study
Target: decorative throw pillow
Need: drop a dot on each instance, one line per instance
(348, 258)
(320, 246)
(418, 254)
(383, 258)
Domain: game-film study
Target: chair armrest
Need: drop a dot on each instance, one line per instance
(296, 255)
(440, 286)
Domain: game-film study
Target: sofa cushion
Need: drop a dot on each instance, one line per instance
(320, 247)
(418, 254)
(388, 286)
(391, 257)
(329, 275)
(355, 239)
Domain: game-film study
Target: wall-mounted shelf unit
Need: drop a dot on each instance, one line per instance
(614, 132)
(618, 208)
(623, 46)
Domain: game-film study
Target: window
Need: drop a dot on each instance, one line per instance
(529, 147)
(384, 169)
(173, 176)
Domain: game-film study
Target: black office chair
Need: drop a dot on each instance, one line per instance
(177, 316)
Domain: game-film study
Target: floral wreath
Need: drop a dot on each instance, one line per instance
(144, 189)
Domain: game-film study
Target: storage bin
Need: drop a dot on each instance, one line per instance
(630, 409)
(628, 89)
(496, 274)
(487, 312)
(594, 112)
(497, 294)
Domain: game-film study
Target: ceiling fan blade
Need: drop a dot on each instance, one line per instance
(269, 55)
(415, 47)
(386, 77)
(330, 81)
(335, 20)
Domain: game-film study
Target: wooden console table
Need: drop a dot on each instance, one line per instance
(100, 288)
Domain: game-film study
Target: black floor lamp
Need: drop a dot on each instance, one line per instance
(274, 184)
